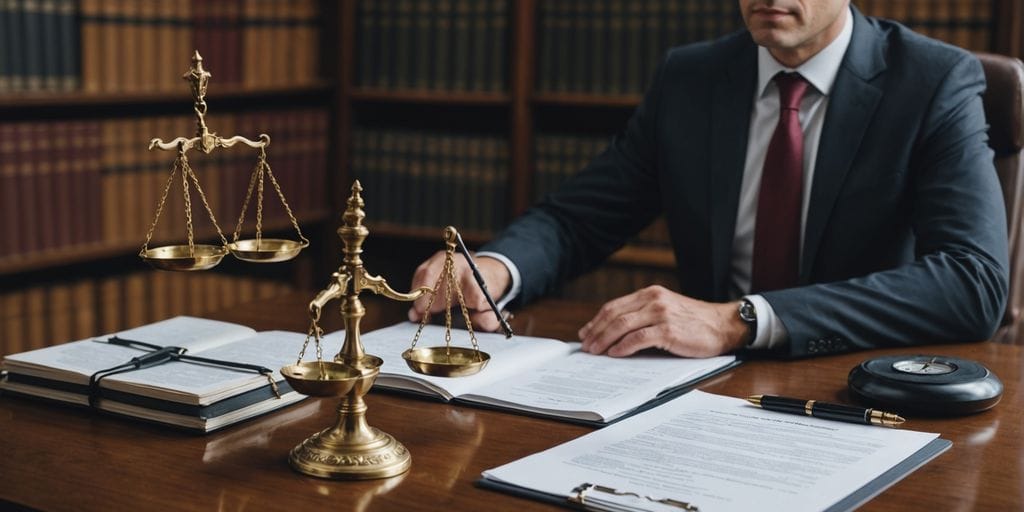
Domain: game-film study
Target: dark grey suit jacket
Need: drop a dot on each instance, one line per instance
(905, 240)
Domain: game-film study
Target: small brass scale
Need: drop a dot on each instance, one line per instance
(351, 449)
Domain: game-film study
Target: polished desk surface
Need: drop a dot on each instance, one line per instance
(60, 458)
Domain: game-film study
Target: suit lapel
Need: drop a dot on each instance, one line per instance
(850, 109)
(732, 101)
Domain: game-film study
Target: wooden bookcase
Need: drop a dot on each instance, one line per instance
(79, 287)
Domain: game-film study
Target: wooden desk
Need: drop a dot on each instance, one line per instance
(59, 458)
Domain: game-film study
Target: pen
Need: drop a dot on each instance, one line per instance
(483, 286)
(825, 410)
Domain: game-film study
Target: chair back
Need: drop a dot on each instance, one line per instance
(1004, 110)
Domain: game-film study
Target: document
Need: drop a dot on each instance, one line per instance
(542, 376)
(720, 453)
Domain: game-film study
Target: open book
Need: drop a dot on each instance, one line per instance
(720, 453)
(542, 376)
(192, 395)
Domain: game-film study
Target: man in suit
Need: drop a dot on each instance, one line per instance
(827, 184)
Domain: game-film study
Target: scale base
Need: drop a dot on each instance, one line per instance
(328, 454)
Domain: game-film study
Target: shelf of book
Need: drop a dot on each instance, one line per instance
(101, 250)
(393, 230)
(466, 98)
(587, 100)
(34, 100)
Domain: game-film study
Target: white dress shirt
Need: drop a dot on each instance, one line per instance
(820, 70)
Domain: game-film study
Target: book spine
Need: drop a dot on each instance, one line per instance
(461, 43)
(58, 314)
(59, 133)
(32, 29)
(49, 46)
(28, 187)
(69, 39)
(15, 322)
(478, 45)
(147, 38)
(83, 312)
(441, 69)
(5, 57)
(13, 223)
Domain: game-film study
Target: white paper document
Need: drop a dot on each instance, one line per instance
(540, 375)
(720, 454)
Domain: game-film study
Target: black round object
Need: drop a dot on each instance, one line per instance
(927, 385)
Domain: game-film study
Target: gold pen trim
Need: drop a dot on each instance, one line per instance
(809, 408)
(885, 419)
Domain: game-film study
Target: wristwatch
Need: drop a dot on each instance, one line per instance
(748, 313)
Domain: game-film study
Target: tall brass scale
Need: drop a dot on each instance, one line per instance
(350, 449)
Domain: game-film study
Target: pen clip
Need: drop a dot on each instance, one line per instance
(580, 498)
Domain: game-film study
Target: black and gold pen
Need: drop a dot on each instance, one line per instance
(825, 410)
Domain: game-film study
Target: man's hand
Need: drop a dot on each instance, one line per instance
(494, 273)
(659, 318)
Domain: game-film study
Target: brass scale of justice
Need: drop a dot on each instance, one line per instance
(351, 449)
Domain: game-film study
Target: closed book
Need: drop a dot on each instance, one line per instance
(441, 72)
(192, 395)
(14, 42)
(12, 242)
(69, 39)
(32, 33)
(367, 40)
(60, 134)
(148, 54)
(462, 42)
(6, 12)
(28, 187)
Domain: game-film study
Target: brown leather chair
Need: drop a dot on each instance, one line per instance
(1004, 109)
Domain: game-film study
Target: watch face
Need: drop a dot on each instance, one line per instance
(923, 367)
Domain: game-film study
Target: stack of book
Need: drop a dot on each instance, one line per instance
(196, 395)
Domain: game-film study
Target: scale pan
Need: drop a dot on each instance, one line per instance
(178, 257)
(337, 378)
(266, 250)
(446, 361)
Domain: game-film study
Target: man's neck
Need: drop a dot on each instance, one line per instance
(793, 57)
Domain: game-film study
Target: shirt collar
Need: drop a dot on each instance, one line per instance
(820, 70)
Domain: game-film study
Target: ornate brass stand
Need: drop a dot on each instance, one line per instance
(351, 449)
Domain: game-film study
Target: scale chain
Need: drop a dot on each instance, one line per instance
(159, 208)
(195, 181)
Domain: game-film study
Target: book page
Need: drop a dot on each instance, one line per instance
(508, 356)
(76, 361)
(595, 387)
(194, 334)
(720, 453)
(201, 384)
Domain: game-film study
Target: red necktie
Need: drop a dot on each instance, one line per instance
(777, 229)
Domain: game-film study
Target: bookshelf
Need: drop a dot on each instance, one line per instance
(84, 86)
(566, 77)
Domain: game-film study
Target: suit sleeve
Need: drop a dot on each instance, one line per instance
(956, 286)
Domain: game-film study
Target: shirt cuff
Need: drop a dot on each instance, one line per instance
(513, 270)
(770, 331)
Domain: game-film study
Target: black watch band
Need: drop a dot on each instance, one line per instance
(748, 313)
